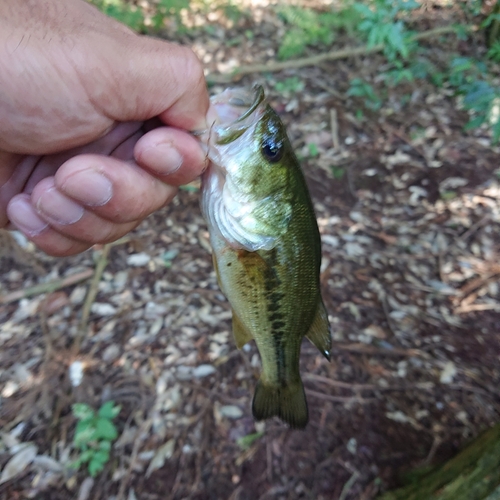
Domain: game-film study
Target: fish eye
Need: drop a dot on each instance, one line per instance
(272, 150)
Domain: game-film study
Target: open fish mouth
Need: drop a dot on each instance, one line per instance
(237, 110)
(235, 106)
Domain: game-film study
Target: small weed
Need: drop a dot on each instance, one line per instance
(94, 435)
(289, 85)
(127, 14)
(448, 195)
(337, 172)
(359, 88)
(313, 150)
(246, 441)
(381, 24)
(494, 52)
(307, 28)
(169, 256)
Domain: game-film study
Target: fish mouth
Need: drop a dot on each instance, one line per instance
(235, 106)
(237, 110)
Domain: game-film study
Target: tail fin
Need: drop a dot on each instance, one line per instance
(286, 402)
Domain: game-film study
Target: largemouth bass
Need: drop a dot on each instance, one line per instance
(266, 246)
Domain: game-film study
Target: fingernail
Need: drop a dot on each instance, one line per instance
(163, 158)
(24, 216)
(89, 187)
(58, 207)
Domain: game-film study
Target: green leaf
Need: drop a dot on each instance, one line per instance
(448, 195)
(105, 445)
(85, 432)
(109, 410)
(475, 122)
(363, 10)
(105, 429)
(246, 441)
(496, 132)
(313, 149)
(86, 456)
(395, 39)
(101, 456)
(82, 411)
(95, 466)
(366, 25)
(337, 172)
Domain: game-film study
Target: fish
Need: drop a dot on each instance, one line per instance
(266, 246)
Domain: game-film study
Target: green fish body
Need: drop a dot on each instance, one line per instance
(266, 247)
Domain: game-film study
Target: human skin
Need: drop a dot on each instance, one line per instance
(93, 123)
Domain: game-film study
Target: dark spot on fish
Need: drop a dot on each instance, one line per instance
(278, 324)
(275, 297)
(275, 316)
(229, 264)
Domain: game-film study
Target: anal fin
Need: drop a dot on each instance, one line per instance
(240, 332)
(319, 332)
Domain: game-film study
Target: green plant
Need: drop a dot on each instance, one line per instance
(245, 442)
(478, 95)
(124, 12)
(289, 85)
(381, 24)
(94, 435)
(313, 150)
(168, 8)
(494, 51)
(337, 172)
(307, 27)
(359, 88)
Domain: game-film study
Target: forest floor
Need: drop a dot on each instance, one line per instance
(408, 206)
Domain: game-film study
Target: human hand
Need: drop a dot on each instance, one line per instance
(93, 122)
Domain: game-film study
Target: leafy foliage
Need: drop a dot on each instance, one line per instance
(494, 51)
(381, 25)
(126, 13)
(94, 434)
(289, 85)
(307, 27)
(360, 88)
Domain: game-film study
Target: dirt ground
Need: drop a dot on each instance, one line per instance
(408, 206)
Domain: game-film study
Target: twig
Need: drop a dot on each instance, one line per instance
(141, 431)
(348, 485)
(436, 442)
(403, 137)
(477, 307)
(337, 383)
(338, 399)
(91, 295)
(319, 58)
(48, 287)
(334, 126)
(368, 349)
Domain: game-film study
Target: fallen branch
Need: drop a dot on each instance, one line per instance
(50, 286)
(91, 295)
(374, 351)
(318, 59)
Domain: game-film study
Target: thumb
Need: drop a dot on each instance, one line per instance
(144, 77)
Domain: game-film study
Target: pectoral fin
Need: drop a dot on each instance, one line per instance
(319, 332)
(240, 332)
